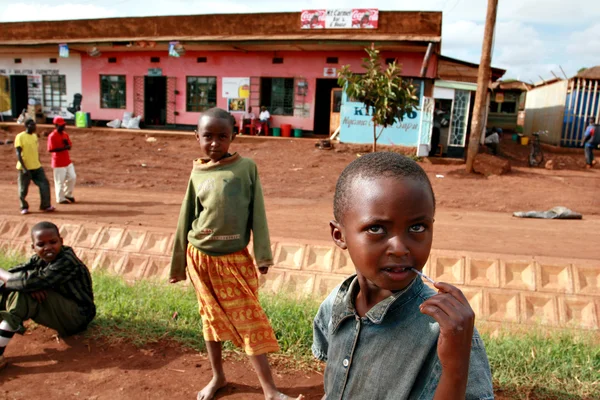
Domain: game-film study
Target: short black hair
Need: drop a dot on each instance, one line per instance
(375, 165)
(40, 226)
(217, 112)
(29, 121)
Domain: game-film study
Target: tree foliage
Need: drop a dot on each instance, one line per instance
(387, 97)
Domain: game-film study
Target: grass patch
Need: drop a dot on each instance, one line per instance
(533, 364)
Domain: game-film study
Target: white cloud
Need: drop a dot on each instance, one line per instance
(585, 46)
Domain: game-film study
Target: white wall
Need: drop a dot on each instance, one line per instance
(36, 65)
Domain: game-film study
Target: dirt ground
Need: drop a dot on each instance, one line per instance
(83, 368)
(125, 179)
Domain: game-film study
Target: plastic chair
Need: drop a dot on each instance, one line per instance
(248, 127)
(76, 106)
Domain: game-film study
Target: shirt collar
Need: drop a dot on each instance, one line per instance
(343, 305)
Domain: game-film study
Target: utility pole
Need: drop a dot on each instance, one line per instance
(483, 80)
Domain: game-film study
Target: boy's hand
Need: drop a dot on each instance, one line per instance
(263, 269)
(39, 296)
(453, 313)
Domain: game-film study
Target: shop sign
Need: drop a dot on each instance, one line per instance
(357, 18)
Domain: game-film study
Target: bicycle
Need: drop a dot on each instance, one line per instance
(536, 154)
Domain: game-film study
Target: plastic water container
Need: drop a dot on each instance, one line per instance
(297, 132)
(286, 130)
(524, 140)
(276, 131)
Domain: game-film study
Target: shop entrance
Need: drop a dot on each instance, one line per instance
(324, 106)
(155, 100)
(18, 94)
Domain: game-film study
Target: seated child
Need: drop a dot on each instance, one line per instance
(384, 334)
(53, 288)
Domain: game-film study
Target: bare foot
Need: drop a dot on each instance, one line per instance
(209, 390)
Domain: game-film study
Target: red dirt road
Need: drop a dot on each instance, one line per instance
(474, 212)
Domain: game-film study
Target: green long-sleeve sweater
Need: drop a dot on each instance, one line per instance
(223, 204)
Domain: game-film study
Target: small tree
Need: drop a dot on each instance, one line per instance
(386, 96)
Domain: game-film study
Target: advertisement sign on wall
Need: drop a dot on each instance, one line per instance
(236, 88)
(357, 18)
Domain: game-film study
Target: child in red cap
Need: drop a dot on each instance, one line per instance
(59, 145)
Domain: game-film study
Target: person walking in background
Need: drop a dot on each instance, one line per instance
(59, 145)
(30, 168)
(591, 140)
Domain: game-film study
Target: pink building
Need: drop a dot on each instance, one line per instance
(169, 69)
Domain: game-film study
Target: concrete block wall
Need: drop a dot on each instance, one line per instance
(501, 288)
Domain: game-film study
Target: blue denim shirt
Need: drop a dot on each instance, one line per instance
(391, 352)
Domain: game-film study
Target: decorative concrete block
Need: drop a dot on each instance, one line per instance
(88, 235)
(110, 238)
(299, 284)
(483, 273)
(578, 312)
(132, 241)
(289, 256)
(23, 232)
(157, 243)
(448, 269)
(343, 264)
(132, 266)
(158, 267)
(475, 298)
(4, 246)
(20, 248)
(587, 279)
(9, 227)
(324, 284)
(554, 278)
(517, 275)
(272, 282)
(86, 255)
(69, 232)
(319, 258)
(538, 308)
(109, 261)
(502, 306)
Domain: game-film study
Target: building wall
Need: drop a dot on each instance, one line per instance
(307, 65)
(545, 110)
(37, 65)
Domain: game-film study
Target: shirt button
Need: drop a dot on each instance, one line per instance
(346, 362)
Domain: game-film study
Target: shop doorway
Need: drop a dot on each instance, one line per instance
(155, 100)
(18, 94)
(324, 106)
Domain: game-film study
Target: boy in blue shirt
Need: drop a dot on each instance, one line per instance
(384, 334)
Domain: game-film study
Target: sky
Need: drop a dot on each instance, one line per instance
(533, 37)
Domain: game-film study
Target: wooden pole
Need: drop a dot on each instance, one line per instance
(483, 80)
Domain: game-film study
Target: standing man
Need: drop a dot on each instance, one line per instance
(30, 168)
(59, 145)
(591, 139)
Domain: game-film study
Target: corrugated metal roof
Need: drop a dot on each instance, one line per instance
(590, 73)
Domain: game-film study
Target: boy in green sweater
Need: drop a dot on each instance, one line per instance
(223, 205)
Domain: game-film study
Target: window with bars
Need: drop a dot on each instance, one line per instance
(277, 94)
(113, 91)
(55, 91)
(201, 93)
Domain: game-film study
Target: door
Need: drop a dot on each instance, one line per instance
(323, 106)
(18, 94)
(155, 100)
(458, 126)
(336, 107)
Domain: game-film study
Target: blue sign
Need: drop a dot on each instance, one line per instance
(357, 127)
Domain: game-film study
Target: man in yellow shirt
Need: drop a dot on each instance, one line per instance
(30, 168)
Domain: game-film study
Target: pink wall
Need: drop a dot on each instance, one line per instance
(307, 65)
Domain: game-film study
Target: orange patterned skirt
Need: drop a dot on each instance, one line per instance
(227, 291)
